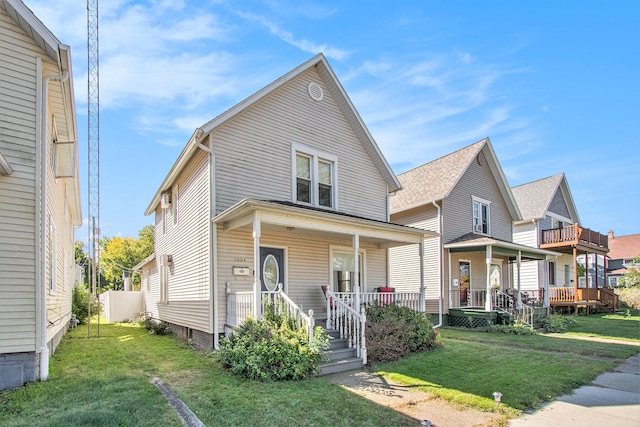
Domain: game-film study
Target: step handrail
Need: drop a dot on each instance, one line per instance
(284, 304)
(351, 325)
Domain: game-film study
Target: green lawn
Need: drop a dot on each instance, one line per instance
(106, 381)
(526, 369)
(616, 326)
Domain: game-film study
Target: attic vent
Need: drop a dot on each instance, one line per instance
(481, 159)
(315, 91)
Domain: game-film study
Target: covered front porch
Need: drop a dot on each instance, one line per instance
(485, 282)
(304, 249)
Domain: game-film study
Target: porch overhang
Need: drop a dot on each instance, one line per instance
(512, 250)
(287, 217)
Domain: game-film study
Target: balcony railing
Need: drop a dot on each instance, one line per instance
(572, 235)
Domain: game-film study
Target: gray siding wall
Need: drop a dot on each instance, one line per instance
(18, 79)
(404, 261)
(254, 151)
(558, 205)
(458, 209)
(186, 239)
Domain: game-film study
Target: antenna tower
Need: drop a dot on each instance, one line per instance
(93, 106)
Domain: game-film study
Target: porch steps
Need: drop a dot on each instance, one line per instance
(340, 357)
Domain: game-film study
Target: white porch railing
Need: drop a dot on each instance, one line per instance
(505, 302)
(240, 308)
(403, 299)
(472, 298)
(347, 321)
(283, 305)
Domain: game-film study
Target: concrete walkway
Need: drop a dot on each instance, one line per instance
(612, 399)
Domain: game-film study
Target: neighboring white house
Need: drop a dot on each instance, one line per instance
(550, 220)
(39, 191)
(464, 196)
(287, 187)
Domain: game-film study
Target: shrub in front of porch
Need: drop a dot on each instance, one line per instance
(273, 349)
(393, 331)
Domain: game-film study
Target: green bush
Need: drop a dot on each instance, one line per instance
(630, 296)
(80, 304)
(557, 323)
(517, 328)
(393, 331)
(273, 349)
(153, 326)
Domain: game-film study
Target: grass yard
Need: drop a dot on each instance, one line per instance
(526, 369)
(616, 326)
(106, 381)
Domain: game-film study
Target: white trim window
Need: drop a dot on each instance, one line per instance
(314, 178)
(481, 216)
(343, 269)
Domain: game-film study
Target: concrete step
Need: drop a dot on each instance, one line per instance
(340, 365)
(337, 343)
(340, 353)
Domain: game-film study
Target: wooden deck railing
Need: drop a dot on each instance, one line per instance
(574, 234)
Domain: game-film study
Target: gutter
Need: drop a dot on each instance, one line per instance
(213, 233)
(440, 267)
(43, 165)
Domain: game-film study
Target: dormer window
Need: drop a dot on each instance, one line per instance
(481, 216)
(314, 178)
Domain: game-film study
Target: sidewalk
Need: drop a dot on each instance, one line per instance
(612, 399)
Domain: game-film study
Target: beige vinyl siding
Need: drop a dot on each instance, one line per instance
(457, 209)
(18, 82)
(150, 288)
(404, 261)
(254, 151)
(187, 241)
(307, 265)
(526, 234)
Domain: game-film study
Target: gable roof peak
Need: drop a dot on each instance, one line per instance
(534, 198)
(435, 180)
(324, 70)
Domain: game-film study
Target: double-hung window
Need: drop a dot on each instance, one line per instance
(481, 216)
(315, 178)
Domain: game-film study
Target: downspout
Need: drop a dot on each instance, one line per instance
(213, 233)
(44, 349)
(440, 267)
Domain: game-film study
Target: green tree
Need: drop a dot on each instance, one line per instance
(121, 254)
(632, 275)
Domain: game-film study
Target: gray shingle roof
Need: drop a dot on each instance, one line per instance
(533, 198)
(434, 180)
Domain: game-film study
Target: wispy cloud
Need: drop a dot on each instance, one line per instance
(287, 37)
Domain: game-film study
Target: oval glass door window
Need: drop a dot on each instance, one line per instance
(271, 272)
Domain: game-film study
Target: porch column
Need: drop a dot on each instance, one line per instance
(487, 300)
(356, 268)
(575, 273)
(449, 277)
(257, 288)
(519, 261)
(545, 282)
(422, 290)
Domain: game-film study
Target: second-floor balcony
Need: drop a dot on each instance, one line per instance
(566, 238)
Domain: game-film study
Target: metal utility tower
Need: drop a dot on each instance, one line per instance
(93, 106)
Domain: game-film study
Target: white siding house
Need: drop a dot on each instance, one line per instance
(284, 188)
(39, 191)
(465, 196)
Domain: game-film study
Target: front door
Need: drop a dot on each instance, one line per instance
(271, 268)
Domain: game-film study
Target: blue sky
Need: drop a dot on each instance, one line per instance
(554, 84)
